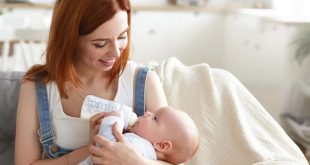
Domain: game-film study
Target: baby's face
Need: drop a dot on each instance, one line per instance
(169, 125)
(152, 126)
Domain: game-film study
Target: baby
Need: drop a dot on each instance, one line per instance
(171, 132)
(168, 134)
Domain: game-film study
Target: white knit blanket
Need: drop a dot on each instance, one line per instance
(234, 128)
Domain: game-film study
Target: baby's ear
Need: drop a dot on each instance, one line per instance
(163, 146)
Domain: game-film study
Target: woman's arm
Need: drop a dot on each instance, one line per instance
(155, 96)
(27, 146)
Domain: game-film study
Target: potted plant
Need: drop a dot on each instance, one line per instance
(299, 97)
(302, 51)
(296, 119)
(302, 42)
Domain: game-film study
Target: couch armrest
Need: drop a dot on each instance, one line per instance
(9, 93)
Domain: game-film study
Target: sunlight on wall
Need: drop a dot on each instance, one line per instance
(298, 8)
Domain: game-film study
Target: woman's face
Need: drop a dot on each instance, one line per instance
(100, 49)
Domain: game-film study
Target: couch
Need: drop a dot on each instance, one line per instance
(9, 91)
(234, 128)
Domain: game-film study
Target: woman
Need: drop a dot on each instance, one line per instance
(87, 54)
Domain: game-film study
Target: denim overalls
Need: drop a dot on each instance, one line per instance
(46, 131)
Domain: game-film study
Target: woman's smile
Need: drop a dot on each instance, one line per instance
(107, 63)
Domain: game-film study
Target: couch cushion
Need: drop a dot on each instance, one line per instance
(9, 92)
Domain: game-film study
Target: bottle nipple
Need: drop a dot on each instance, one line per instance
(133, 120)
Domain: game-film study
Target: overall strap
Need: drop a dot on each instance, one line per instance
(140, 91)
(46, 131)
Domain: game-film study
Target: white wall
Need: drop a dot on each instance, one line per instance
(259, 53)
(191, 37)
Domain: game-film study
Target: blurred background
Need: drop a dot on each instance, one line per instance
(264, 43)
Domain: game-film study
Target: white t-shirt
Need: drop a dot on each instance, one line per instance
(73, 132)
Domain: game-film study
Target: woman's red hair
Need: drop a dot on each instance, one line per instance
(70, 20)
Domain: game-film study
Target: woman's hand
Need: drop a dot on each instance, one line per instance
(95, 122)
(120, 152)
